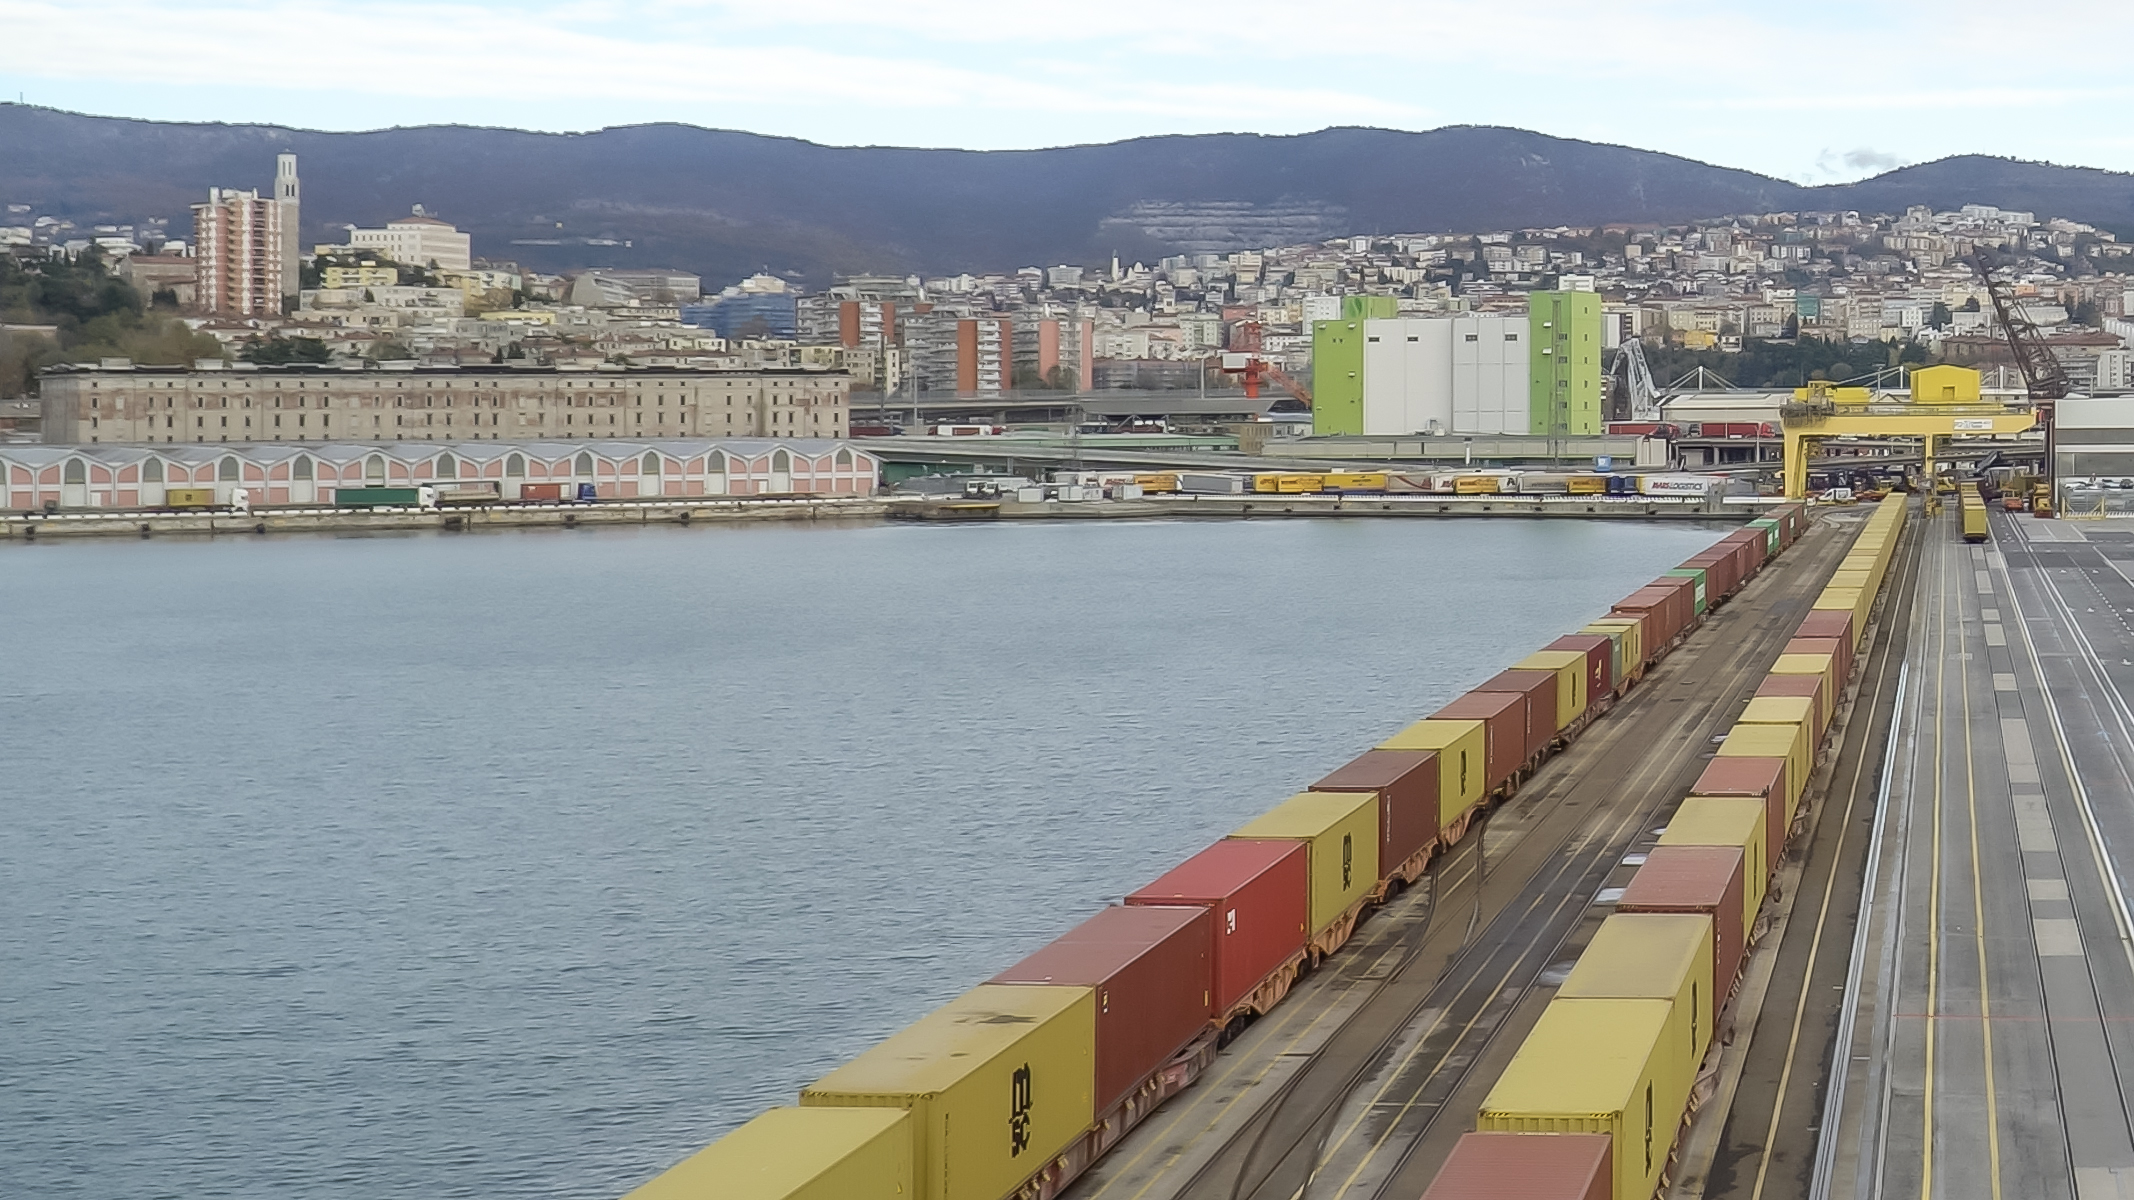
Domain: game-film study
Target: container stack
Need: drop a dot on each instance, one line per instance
(1048, 1064)
(1618, 1051)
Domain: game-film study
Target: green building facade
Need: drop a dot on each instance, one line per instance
(1564, 397)
(1337, 375)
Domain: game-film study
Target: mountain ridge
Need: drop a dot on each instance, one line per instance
(725, 203)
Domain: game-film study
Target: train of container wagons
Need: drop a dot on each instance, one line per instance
(1593, 1103)
(1442, 483)
(1014, 1088)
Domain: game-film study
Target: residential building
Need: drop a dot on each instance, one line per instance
(418, 240)
(1055, 352)
(966, 355)
(402, 401)
(239, 257)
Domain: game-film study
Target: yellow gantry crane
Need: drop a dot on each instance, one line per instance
(1946, 402)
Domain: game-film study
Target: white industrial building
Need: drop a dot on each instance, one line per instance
(1462, 374)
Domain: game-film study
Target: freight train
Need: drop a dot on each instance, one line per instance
(1972, 498)
(1482, 483)
(1595, 1098)
(1044, 1067)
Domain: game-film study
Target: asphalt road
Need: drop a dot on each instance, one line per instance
(1361, 1082)
(1986, 1022)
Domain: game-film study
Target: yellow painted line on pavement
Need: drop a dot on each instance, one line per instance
(1978, 934)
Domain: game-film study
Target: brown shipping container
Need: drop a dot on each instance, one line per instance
(1150, 970)
(1259, 894)
(1762, 778)
(1837, 648)
(1504, 730)
(1600, 662)
(1827, 624)
(1696, 879)
(1812, 686)
(1527, 1166)
(1663, 612)
(1539, 688)
(540, 491)
(1406, 782)
(1722, 573)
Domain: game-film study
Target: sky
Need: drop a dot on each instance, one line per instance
(1816, 91)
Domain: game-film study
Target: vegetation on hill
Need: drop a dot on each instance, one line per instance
(1783, 364)
(77, 311)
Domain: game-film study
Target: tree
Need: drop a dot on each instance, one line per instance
(1792, 327)
(2088, 313)
(1940, 316)
(280, 351)
(1970, 305)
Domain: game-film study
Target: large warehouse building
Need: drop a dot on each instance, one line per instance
(1473, 373)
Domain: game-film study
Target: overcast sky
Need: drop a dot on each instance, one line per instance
(1814, 90)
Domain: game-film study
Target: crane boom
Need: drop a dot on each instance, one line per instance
(2044, 379)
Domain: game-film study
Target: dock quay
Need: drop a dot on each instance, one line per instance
(143, 523)
(1172, 507)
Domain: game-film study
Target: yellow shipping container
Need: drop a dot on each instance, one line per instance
(1652, 956)
(798, 1154)
(1633, 639)
(1825, 665)
(1355, 480)
(1462, 771)
(1853, 580)
(1779, 710)
(1570, 668)
(1477, 485)
(1010, 1068)
(1599, 1066)
(1737, 821)
(1790, 742)
(1342, 828)
(188, 497)
(1588, 485)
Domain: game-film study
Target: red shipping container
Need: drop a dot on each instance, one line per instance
(1801, 685)
(1539, 688)
(1527, 1166)
(1827, 623)
(1600, 661)
(1259, 891)
(1722, 572)
(1150, 970)
(1406, 782)
(1696, 879)
(1763, 778)
(540, 491)
(1505, 723)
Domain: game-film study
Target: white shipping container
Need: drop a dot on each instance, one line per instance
(1677, 485)
(1204, 484)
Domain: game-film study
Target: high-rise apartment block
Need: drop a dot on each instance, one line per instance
(240, 254)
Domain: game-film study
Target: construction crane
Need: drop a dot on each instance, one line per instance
(2043, 377)
(1244, 361)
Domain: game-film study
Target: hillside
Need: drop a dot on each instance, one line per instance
(726, 203)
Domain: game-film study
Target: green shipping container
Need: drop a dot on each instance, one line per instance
(1770, 528)
(1695, 575)
(372, 497)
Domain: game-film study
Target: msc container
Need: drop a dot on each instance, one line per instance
(178, 497)
(1571, 671)
(1824, 665)
(1405, 782)
(1761, 779)
(1504, 731)
(1539, 688)
(1741, 822)
(1341, 829)
(1011, 1070)
(1632, 629)
(1696, 879)
(1600, 661)
(1150, 971)
(1461, 758)
(1698, 583)
(1810, 686)
(1527, 1166)
(1652, 956)
(798, 1154)
(1259, 898)
(1794, 743)
(1599, 1066)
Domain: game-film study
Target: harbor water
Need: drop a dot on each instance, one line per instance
(522, 865)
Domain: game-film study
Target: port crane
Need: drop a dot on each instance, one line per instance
(1244, 360)
(2044, 379)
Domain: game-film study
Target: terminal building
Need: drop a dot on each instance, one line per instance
(118, 402)
(77, 477)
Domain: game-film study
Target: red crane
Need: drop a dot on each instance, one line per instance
(1243, 360)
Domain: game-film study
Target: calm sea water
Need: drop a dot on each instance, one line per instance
(523, 865)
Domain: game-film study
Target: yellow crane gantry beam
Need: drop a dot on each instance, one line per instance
(1928, 421)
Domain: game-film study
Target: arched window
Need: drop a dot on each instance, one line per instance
(651, 464)
(152, 471)
(447, 467)
(844, 460)
(230, 469)
(715, 463)
(515, 466)
(781, 461)
(76, 472)
(584, 465)
(302, 469)
(374, 467)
